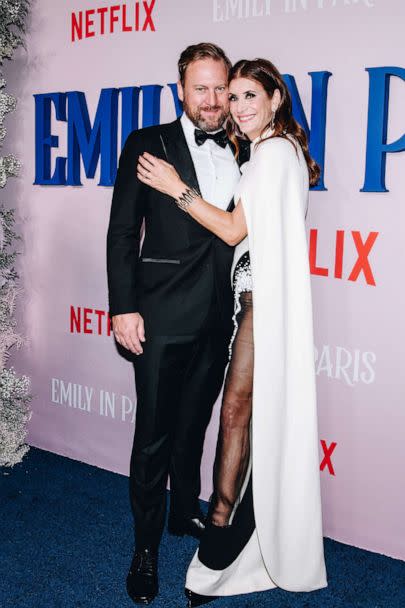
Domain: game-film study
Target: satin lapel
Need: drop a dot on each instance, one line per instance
(177, 153)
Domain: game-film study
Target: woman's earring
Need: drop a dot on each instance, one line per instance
(272, 120)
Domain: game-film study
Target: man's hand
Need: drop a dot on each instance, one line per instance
(129, 331)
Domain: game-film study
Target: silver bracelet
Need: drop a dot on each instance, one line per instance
(187, 198)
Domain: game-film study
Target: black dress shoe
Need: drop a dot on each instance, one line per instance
(193, 526)
(195, 599)
(142, 579)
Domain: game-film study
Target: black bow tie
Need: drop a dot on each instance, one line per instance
(220, 137)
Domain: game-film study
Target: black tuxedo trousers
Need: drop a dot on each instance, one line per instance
(180, 284)
(178, 379)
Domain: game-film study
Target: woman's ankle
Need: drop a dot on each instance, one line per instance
(220, 518)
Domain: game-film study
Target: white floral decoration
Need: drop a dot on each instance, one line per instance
(15, 396)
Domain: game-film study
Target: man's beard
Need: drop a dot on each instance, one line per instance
(204, 123)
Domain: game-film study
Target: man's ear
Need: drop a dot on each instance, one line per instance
(180, 91)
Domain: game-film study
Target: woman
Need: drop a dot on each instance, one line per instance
(264, 524)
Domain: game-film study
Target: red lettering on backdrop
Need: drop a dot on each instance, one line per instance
(99, 313)
(137, 17)
(89, 22)
(89, 321)
(113, 17)
(148, 19)
(313, 240)
(125, 26)
(75, 324)
(77, 26)
(328, 451)
(340, 237)
(102, 11)
(362, 264)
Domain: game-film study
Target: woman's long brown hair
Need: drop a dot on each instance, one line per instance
(266, 74)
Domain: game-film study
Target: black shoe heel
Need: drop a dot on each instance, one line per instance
(195, 599)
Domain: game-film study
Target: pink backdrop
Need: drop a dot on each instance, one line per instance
(84, 398)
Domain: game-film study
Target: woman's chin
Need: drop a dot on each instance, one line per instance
(248, 131)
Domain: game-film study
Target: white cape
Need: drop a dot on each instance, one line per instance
(286, 549)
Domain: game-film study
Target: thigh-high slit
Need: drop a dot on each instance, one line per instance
(231, 520)
(233, 447)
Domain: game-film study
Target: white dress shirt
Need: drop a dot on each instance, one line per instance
(216, 168)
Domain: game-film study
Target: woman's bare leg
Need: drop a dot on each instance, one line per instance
(233, 448)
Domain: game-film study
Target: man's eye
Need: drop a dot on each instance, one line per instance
(200, 89)
(221, 89)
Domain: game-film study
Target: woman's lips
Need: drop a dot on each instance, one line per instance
(245, 118)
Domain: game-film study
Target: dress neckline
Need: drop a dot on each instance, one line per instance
(260, 138)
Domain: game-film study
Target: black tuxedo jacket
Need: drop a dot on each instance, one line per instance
(180, 283)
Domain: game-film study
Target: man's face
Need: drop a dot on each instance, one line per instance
(205, 94)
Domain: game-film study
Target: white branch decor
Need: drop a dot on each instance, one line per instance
(14, 390)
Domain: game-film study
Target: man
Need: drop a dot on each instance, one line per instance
(172, 306)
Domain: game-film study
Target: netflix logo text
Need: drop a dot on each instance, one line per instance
(84, 320)
(327, 456)
(338, 255)
(128, 17)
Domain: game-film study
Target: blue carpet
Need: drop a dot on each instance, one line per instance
(66, 541)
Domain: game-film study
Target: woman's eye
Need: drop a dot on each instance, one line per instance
(232, 98)
(250, 95)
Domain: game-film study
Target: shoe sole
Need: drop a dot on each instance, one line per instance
(174, 531)
(144, 601)
(195, 599)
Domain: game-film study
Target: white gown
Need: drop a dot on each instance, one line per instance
(286, 548)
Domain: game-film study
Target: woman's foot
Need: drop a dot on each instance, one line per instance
(221, 545)
(195, 599)
(220, 516)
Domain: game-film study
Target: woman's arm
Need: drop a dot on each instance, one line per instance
(228, 226)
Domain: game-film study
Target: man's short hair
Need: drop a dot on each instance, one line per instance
(203, 50)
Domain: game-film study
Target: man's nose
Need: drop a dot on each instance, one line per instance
(212, 98)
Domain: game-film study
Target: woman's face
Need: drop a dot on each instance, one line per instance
(251, 107)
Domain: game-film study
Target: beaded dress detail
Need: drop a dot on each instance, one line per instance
(242, 281)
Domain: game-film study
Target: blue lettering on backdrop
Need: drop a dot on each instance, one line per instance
(151, 94)
(377, 146)
(100, 140)
(151, 104)
(130, 111)
(317, 134)
(88, 142)
(44, 141)
(178, 106)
